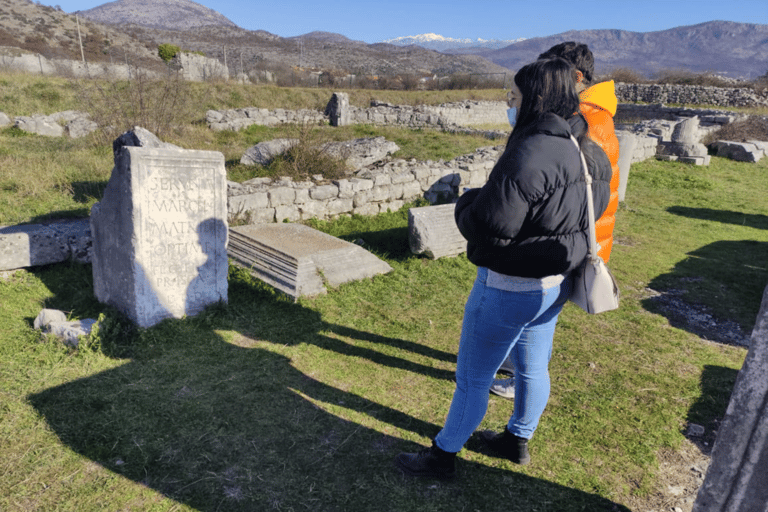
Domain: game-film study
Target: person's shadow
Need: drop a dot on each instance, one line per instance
(230, 423)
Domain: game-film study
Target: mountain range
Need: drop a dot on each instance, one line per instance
(132, 29)
(450, 45)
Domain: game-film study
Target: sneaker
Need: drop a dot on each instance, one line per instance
(507, 367)
(430, 462)
(507, 445)
(503, 387)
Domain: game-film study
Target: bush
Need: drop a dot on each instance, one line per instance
(623, 75)
(753, 128)
(167, 51)
(117, 106)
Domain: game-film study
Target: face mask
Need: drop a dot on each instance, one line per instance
(512, 116)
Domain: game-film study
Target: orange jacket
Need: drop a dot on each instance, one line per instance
(598, 106)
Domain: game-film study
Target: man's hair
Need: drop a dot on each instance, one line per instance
(577, 54)
(547, 86)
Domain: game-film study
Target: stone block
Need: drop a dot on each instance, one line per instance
(432, 231)
(279, 196)
(739, 151)
(30, 245)
(323, 192)
(627, 145)
(160, 234)
(737, 478)
(299, 260)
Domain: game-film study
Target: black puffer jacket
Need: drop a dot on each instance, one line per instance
(530, 219)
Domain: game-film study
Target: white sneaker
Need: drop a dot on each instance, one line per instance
(505, 388)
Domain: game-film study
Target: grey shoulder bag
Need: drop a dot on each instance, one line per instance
(594, 287)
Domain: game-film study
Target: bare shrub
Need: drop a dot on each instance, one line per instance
(685, 77)
(623, 75)
(753, 128)
(118, 105)
(307, 158)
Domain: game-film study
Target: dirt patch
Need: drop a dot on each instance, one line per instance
(681, 473)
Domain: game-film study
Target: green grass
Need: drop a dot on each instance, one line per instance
(266, 404)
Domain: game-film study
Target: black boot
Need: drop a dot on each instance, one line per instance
(430, 462)
(507, 445)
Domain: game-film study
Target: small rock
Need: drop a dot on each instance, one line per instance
(695, 430)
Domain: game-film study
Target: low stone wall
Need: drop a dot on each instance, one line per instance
(367, 192)
(466, 113)
(690, 95)
(707, 117)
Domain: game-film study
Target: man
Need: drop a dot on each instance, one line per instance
(598, 106)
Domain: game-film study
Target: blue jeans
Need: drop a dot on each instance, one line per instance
(500, 323)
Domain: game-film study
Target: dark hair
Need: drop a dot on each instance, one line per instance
(577, 54)
(547, 86)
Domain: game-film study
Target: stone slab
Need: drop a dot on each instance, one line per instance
(737, 479)
(160, 234)
(739, 151)
(298, 260)
(432, 231)
(627, 145)
(29, 245)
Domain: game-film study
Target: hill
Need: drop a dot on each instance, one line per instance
(164, 14)
(725, 47)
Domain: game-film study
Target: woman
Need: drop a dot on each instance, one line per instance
(526, 229)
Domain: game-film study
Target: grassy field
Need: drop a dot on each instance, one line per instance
(267, 404)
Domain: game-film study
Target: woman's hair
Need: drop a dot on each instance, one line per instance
(577, 54)
(547, 86)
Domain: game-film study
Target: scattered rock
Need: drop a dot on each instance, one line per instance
(55, 322)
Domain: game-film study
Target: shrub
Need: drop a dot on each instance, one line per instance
(157, 105)
(624, 75)
(167, 51)
(753, 128)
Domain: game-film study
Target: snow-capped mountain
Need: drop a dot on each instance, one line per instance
(440, 43)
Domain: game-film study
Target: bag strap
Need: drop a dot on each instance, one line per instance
(593, 247)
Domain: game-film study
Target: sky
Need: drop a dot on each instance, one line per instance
(373, 22)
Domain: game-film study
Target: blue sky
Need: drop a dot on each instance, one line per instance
(487, 19)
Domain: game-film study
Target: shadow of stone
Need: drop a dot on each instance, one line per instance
(715, 292)
(725, 216)
(709, 409)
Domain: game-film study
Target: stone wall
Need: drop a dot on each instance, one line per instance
(465, 113)
(367, 192)
(690, 95)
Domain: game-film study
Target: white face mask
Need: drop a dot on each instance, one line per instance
(512, 116)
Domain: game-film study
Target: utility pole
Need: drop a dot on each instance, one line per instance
(80, 38)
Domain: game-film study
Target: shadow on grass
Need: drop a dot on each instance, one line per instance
(715, 292)
(725, 216)
(716, 387)
(220, 425)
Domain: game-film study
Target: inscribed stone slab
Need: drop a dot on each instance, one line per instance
(298, 260)
(160, 234)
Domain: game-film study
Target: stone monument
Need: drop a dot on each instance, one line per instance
(160, 233)
(737, 478)
(337, 109)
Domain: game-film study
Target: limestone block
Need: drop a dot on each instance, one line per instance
(739, 151)
(323, 192)
(339, 206)
(368, 209)
(627, 144)
(432, 231)
(681, 149)
(40, 125)
(736, 478)
(31, 245)
(338, 110)
(4, 119)
(160, 234)
(279, 196)
(299, 260)
(287, 212)
(246, 202)
(264, 152)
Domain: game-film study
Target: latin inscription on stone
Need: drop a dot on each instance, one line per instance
(176, 233)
